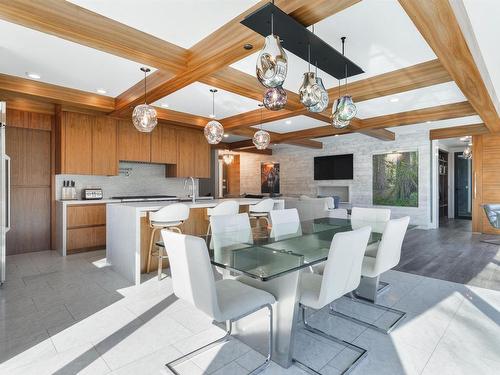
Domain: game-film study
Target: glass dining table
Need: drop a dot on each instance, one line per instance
(273, 262)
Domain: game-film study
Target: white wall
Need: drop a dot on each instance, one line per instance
(144, 179)
(297, 169)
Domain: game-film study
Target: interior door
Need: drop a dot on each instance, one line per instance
(463, 184)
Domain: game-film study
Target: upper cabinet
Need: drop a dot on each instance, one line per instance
(94, 145)
(164, 145)
(133, 145)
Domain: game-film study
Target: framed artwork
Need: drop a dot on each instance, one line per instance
(395, 179)
(270, 177)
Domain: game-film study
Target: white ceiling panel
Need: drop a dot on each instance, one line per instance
(63, 63)
(469, 120)
(196, 99)
(291, 124)
(483, 16)
(181, 22)
(380, 38)
(431, 96)
(229, 138)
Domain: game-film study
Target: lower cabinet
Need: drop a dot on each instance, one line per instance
(85, 227)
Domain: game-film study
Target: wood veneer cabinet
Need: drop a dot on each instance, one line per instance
(86, 227)
(193, 154)
(164, 144)
(86, 145)
(133, 145)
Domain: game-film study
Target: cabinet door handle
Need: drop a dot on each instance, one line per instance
(475, 185)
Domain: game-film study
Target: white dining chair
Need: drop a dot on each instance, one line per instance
(342, 273)
(337, 213)
(285, 224)
(224, 208)
(230, 230)
(261, 210)
(387, 256)
(375, 217)
(223, 301)
(168, 217)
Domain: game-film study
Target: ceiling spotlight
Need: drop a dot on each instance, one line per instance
(164, 105)
(394, 100)
(288, 122)
(248, 46)
(33, 75)
(226, 135)
(428, 122)
(101, 91)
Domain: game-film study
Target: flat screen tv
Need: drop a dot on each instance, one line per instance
(334, 167)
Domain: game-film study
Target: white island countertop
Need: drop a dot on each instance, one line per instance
(123, 230)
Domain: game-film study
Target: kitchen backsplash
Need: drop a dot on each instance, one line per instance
(134, 179)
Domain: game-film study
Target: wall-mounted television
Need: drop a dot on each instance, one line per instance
(334, 167)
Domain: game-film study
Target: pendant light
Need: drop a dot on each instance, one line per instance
(323, 102)
(344, 109)
(467, 153)
(227, 157)
(213, 131)
(272, 62)
(261, 138)
(144, 116)
(309, 92)
(275, 98)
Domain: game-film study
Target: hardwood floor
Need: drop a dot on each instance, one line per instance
(452, 253)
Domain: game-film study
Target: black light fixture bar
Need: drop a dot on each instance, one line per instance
(296, 38)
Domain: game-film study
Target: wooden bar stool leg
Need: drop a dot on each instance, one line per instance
(151, 244)
(160, 256)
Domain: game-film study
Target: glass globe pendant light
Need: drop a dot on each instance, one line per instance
(467, 153)
(344, 109)
(261, 138)
(272, 62)
(214, 131)
(323, 102)
(144, 116)
(227, 158)
(275, 98)
(309, 92)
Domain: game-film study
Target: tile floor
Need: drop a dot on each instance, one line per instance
(75, 315)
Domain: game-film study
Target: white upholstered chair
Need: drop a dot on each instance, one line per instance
(168, 217)
(337, 213)
(224, 208)
(374, 217)
(342, 273)
(285, 223)
(223, 301)
(261, 210)
(387, 256)
(230, 230)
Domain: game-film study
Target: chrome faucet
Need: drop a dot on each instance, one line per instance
(192, 187)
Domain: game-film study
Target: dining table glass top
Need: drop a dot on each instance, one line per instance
(288, 248)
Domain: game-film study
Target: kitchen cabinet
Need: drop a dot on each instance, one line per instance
(193, 154)
(133, 145)
(76, 143)
(202, 156)
(104, 148)
(85, 227)
(164, 144)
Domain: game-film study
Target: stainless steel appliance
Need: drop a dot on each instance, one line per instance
(4, 191)
(92, 193)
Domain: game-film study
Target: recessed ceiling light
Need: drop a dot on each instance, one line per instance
(226, 135)
(33, 75)
(394, 100)
(248, 46)
(288, 122)
(336, 135)
(101, 91)
(164, 105)
(428, 122)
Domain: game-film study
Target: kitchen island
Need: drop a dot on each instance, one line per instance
(128, 232)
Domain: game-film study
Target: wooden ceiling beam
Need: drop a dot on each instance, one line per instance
(74, 23)
(458, 131)
(438, 25)
(30, 89)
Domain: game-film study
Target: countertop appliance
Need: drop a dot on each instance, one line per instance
(4, 191)
(143, 198)
(92, 194)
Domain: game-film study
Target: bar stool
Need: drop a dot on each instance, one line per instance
(168, 217)
(261, 210)
(224, 208)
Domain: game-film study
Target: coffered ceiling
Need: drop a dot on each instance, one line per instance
(197, 44)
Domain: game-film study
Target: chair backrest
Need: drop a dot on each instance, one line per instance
(374, 217)
(338, 213)
(492, 212)
(226, 208)
(342, 272)
(265, 205)
(389, 249)
(327, 201)
(285, 223)
(172, 212)
(192, 276)
(230, 230)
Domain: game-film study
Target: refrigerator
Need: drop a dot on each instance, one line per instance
(4, 191)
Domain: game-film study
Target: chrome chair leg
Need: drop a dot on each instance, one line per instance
(225, 338)
(401, 315)
(362, 352)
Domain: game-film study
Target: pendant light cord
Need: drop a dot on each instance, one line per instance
(145, 91)
(345, 72)
(213, 103)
